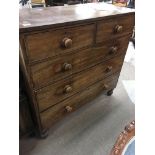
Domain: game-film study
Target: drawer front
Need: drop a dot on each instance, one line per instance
(114, 27)
(58, 111)
(52, 94)
(53, 70)
(48, 44)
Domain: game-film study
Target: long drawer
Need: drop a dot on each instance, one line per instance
(53, 70)
(52, 94)
(58, 111)
(114, 27)
(51, 43)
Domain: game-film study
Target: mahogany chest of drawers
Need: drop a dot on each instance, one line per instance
(70, 54)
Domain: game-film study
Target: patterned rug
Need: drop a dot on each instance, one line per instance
(125, 144)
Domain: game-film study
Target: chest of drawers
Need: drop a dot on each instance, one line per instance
(68, 57)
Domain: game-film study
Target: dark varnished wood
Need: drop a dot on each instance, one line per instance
(25, 118)
(55, 93)
(55, 69)
(58, 111)
(66, 54)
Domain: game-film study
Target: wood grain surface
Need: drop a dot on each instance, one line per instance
(55, 93)
(53, 70)
(43, 18)
(49, 44)
(50, 116)
(69, 55)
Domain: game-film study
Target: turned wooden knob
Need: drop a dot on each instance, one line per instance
(67, 66)
(109, 69)
(105, 86)
(67, 42)
(68, 108)
(67, 89)
(118, 28)
(113, 50)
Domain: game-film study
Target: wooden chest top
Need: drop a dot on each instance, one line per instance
(43, 18)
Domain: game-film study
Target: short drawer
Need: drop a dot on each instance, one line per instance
(51, 43)
(114, 27)
(53, 70)
(53, 114)
(53, 94)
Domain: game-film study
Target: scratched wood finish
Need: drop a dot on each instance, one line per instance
(49, 44)
(53, 94)
(45, 18)
(51, 115)
(66, 56)
(53, 70)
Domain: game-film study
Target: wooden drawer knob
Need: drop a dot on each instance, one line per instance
(109, 69)
(67, 89)
(67, 42)
(113, 50)
(68, 108)
(118, 28)
(67, 66)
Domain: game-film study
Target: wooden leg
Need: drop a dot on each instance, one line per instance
(44, 134)
(133, 41)
(110, 92)
(133, 38)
